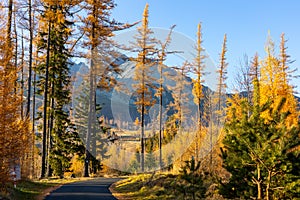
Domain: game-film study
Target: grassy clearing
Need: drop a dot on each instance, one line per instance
(146, 186)
(33, 190)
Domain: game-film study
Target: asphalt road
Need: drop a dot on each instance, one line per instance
(96, 189)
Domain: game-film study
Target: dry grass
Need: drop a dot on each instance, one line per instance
(145, 186)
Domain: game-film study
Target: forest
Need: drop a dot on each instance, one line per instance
(125, 110)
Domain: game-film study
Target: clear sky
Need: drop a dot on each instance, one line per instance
(246, 24)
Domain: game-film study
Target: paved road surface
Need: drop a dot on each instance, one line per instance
(96, 189)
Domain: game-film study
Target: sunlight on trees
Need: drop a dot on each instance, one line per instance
(15, 136)
(262, 134)
(216, 144)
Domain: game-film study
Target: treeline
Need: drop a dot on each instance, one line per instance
(39, 39)
(256, 156)
(259, 144)
(257, 153)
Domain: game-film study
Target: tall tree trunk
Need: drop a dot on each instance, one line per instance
(160, 117)
(30, 20)
(142, 137)
(90, 117)
(33, 127)
(92, 93)
(198, 133)
(94, 120)
(22, 74)
(143, 124)
(44, 143)
(16, 55)
(50, 127)
(9, 22)
(210, 130)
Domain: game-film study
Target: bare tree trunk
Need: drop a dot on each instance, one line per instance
(92, 95)
(268, 185)
(142, 138)
(259, 194)
(44, 144)
(22, 74)
(16, 57)
(160, 118)
(210, 130)
(90, 117)
(33, 127)
(9, 22)
(30, 20)
(198, 133)
(143, 124)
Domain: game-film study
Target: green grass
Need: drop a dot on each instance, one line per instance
(30, 190)
(145, 186)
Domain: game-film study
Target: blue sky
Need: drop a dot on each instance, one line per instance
(246, 24)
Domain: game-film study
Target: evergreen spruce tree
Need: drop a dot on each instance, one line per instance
(189, 184)
(259, 156)
(54, 80)
(260, 152)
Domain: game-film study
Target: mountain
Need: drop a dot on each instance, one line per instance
(118, 104)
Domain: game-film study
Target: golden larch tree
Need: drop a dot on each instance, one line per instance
(145, 48)
(198, 70)
(274, 81)
(15, 137)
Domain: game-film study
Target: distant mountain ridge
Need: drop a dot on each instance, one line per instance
(119, 105)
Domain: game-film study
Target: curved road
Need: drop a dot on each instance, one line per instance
(96, 189)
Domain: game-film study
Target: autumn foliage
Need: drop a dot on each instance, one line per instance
(15, 137)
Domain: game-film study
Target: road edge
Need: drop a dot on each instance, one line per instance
(47, 191)
(114, 192)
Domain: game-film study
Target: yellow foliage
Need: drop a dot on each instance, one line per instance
(197, 91)
(234, 108)
(77, 166)
(274, 84)
(137, 122)
(145, 16)
(60, 17)
(15, 135)
(198, 67)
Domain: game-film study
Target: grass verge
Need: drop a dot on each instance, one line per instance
(33, 190)
(145, 186)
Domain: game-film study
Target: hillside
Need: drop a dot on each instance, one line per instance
(118, 103)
